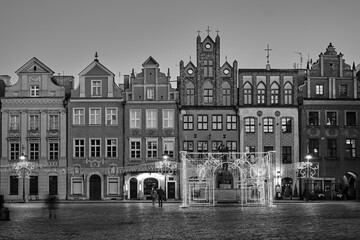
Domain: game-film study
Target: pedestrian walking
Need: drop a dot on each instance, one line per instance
(161, 196)
(51, 203)
(153, 195)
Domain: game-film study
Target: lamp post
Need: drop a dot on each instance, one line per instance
(23, 169)
(307, 170)
(308, 165)
(165, 167)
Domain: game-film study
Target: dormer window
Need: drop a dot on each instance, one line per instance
(34, 90)
(95, 88)
(150, 93)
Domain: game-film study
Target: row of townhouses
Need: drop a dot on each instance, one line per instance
(97, 139)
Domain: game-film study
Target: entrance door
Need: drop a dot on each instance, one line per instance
(133, 188)
(327, 189)
(95, 187)
(171, 190)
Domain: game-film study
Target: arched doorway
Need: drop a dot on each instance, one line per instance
(148, 184)
(350, 181)
(95, 187)
(133, 188)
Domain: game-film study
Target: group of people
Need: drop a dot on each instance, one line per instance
(157, 194)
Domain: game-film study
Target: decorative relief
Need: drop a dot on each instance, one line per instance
(33, 133)
(169, 131)
(135, 132)
(152, 132)
(313, 132)
(332, 132)
(259, 113)
(96, 163)
(277, 114)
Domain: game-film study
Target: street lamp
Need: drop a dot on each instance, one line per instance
(23, 169)
(307, 170)
(165, 167)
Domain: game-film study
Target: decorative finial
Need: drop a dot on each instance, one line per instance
(268, 54)
(190, 58)
(225, 58)
(198, 31)
(208, 30)
(96, 56)
(217, 32)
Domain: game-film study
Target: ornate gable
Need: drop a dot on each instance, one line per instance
(34, 65)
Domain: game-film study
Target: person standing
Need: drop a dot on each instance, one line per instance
(161, 195)
(153, 195)
(52, 205)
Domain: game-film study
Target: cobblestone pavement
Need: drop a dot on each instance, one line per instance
(120, 220)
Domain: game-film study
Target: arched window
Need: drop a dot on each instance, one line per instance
(208, 93)
(288, 94)
(261, 96)
(190, 94)
(274, 92)
(226, 93)
(247, 93)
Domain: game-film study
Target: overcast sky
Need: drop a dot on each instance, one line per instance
(65, 34)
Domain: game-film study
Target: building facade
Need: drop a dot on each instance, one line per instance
(95, 136)
(150, 133)
(34, 127)
(329, 119)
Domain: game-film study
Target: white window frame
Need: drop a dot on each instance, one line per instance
(150, 93)
(113, 181)
(55, 152)
(14, 125)
(80, 183)
(151, 118)
(165, 141)
(111, 116)
(95, 146)
(168, 118)
(34, 124)
(74, 147)
(54, 121)
(136, 150)
(156, 151)
(112, 145)
(95, 116)
(135, 118)
(34, 91)
(79, 118)
(96, 88)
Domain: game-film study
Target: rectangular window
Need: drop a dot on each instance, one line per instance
(111, 116)
(274, 96)
(215, 145)
(247, 96)
(190, 96)
(79, 116)
(33, 185)
(226, 96)
(95, 116)
(231, 146)
(95, 147)
(95, 88)
(350, 148)
(188, 122)
(314, 118)
(14, 123)
(34, 122)
(53, 185)
(111, 148)
(208, 68)
(343, 90)
(135, 149)
(261, 96)
(168, 118)
(34, 91)
(135, 118)
(268, 148)
(249, 125)
(168, 148)
(202, 122)
(151, 118)
(77, 185)
(150, 93)
(113, 186)
(268, 125)
(14, 150)
(188, 146)
(286, 154)
(14, 185)
(331, 118)
(151, 149)
(53, 122)
(216, 122)
(313, 148)
(288, 94)
(286, 124)
(208, 96)
(231, 121)
(319, 89)
(34, 151)
(202, 146)
(79, 148)
(350, 118)
(53, 150)
(331, 148)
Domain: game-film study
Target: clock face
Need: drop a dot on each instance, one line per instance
(226, 71)
(207, 46)
(190, 71)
